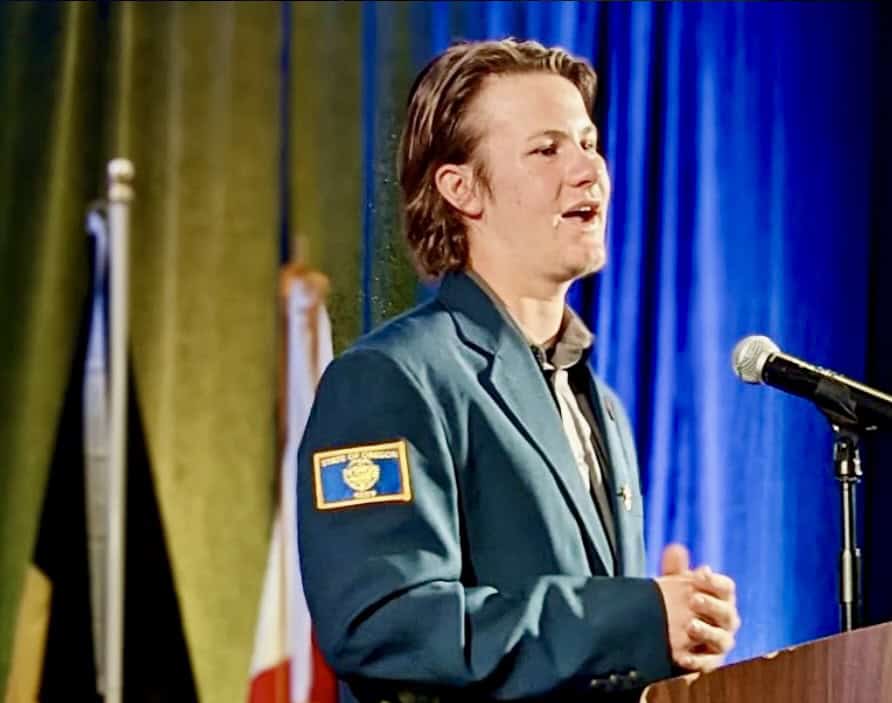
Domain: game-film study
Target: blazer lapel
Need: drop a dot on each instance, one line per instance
(516, 382)
(619, 485)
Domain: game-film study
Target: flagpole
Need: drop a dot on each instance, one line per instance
(120, 195)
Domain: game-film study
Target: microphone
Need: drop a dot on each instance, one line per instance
(847, 403)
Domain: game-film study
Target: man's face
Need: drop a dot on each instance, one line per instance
(547, 208)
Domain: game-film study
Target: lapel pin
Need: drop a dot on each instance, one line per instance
(626, 494)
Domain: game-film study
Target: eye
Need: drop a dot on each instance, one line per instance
(589, 145)
(549, 150)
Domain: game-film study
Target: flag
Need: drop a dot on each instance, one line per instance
(59, 639)
(287, 666)
(97, 376)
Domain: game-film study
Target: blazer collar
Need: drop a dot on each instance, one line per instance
(515, 380)
(480, 322)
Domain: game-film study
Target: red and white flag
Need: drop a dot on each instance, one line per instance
(287, 666)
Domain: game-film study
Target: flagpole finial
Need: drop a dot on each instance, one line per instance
(120, 178)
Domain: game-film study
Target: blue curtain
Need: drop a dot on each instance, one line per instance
(740, 139)
(741, 145)
(878, 450)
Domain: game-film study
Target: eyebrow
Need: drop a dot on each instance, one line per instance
(560, 134)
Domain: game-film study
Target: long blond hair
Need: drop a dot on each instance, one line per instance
(436, 133)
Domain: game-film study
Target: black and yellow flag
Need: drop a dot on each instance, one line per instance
(59, 632)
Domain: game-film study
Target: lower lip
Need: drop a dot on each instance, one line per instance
(591, 224)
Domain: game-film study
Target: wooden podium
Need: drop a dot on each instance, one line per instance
(854, 667)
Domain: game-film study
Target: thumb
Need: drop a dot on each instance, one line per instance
(676, 560)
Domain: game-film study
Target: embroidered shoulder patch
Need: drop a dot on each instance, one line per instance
(372, 473)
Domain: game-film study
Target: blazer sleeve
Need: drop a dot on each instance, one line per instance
(383, 580)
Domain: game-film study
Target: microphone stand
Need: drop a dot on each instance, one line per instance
(847, 469)
(834, 401)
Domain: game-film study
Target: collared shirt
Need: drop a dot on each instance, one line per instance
(561, 363)
(564, 365)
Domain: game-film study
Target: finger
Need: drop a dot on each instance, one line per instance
(701, 662)
(676, 560)
(716, 612)
(716, 584)
(714, 639)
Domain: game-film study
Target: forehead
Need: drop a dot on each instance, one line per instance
(520, 103)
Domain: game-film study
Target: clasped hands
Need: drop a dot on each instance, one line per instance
(702, 611)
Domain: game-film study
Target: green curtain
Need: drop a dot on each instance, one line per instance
(50, 169)
(345, 121)
(392, 284)
(198, 115)
(190, 93)
(325, 157)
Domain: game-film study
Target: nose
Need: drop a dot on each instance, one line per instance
(587, 169)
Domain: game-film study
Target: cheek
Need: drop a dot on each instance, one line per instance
(527, 194)
(503, 185)
(522, 195)
(542, 193)
(604, 180)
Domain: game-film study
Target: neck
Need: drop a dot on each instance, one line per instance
(537, 307)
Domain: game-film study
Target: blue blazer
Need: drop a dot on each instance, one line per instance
(446, 538)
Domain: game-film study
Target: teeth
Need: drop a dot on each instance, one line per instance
(582, 211)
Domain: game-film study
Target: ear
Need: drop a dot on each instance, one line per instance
(456, 183)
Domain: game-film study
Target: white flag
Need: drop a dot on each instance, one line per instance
(285, 667)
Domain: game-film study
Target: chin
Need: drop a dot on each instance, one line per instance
(572, 273)
(594, 261)
(599, 262)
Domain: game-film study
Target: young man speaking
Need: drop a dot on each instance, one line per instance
(470, 517)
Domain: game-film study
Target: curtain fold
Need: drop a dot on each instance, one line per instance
(745, 144)
(729, 218)
(325, 159)
(189, 92)
(727, 128)
(878, 450)
(49, 171)
(389, 283)
(198, 116)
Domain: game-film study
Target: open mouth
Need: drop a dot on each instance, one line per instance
(583, 213)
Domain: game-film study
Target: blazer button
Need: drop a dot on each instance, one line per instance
(597, 684)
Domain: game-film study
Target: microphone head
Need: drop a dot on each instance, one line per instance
(749, 357)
